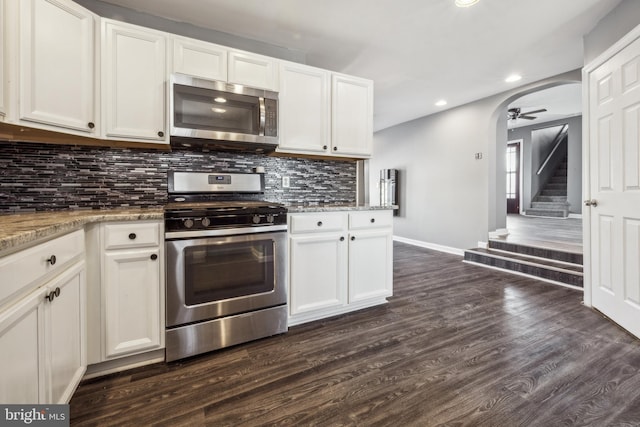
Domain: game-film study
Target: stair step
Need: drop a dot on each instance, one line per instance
(524, 265)
(536, 251)
(556, 186)
(546, 192)
(558, 179)
(547, 213)
(553, 199)
(550, 205)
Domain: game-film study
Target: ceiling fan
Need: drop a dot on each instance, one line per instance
(514, 113)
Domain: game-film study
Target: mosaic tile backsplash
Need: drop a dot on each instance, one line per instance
(40, 177)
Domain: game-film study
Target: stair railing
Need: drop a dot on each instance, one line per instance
(558, 140)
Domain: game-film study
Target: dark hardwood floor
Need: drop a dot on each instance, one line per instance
(456, 345)
(555, 233)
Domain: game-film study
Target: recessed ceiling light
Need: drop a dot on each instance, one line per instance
(441, 103)
(466, 3)
(513, 78)
(220, 99)
(218, 110)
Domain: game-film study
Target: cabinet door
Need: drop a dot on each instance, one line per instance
(199, 59)
(3, 15)
(64, 334)
(131, 301)
(351, 116)
(304, 109)
(57, 64)
(252, 70)
(370, 265)
(318, 276)
(134, 83)
(21, 349)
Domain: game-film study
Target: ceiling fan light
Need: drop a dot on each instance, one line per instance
(466, 3)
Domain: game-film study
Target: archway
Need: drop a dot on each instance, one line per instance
(497, 168)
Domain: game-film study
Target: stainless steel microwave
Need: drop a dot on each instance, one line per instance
(232, 116)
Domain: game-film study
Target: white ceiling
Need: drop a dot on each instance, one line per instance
(559, 101)
(416, 51)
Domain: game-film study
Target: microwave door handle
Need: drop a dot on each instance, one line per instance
(262, 116)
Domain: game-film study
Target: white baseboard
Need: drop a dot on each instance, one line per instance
(575, 216)
(426, 245)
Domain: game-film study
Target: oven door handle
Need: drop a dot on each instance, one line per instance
(224, 232)
(263, 116)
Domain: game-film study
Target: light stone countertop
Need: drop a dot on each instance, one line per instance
(21, 229)
(336, 208)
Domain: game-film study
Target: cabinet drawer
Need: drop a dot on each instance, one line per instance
(25, 270)
(317, 222)
(131, 235)
(370, 219)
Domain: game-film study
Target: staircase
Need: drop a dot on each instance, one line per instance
(551, 265)
(551, 201)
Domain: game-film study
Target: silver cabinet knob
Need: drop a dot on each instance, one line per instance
(592, 202)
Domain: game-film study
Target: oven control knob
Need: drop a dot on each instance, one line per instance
(206, 222)
(256, 219)
(269, 218)
(188, 223)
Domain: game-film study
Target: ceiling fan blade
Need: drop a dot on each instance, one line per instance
(528, 113)
(526, 117)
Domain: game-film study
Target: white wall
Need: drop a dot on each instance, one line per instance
(448, 197)
(624, 18)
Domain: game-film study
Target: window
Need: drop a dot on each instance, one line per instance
(512, 171)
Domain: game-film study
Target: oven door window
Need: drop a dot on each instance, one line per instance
(212, 110)
(229, 270)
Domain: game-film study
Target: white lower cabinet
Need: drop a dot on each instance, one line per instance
(42, 342)
(64, 334)
(369, 270)
(132, 301)
(338, 262)
(320, 273)
(132, 288)
(22, 340)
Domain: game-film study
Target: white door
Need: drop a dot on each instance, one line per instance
(351, 116)
(3, 13)
(65, 335)
(21, 344)
(56, 59)
(370, 265)
(612, 227)
(304, 109)
(318, 276)
(132, 301)
(252, 70)
(199, 59)
(134, 83)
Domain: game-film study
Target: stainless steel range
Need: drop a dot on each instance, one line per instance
(226, 263)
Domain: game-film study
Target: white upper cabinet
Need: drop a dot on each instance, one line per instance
(351, 116)
(200, 59)
(57, 64)
(134, 75)
(252, 70)
(304, 109)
